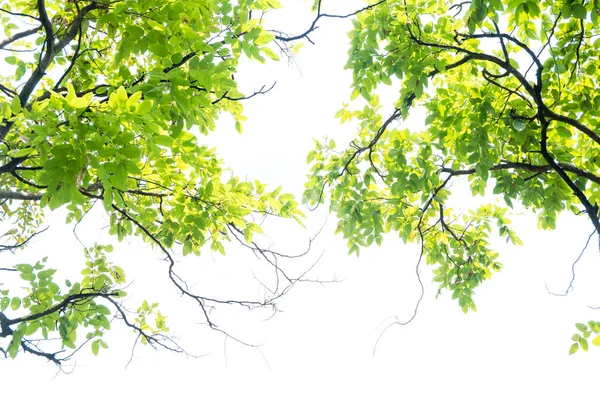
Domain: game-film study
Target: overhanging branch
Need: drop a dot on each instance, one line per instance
(313, 26)
(10, 195)
(18, 36)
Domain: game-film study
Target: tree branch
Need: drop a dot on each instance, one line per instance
(13, 247)
(73, 298)
(18, 36)
(529, 167)
(592, 210)
(313, 25)
(10, 195)
(533, 91)
(51, 50)
(16, 14)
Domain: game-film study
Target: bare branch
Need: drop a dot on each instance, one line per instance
(313, 26)
(17, 14)
(570, 287)
(397, 321)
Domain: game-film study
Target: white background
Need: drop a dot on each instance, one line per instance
(320, 346)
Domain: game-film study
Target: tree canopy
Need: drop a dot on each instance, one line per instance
(102, 102)
(511, 100)
(98, 100)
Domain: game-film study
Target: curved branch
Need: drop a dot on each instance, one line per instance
(592, 210)
(18, 36)
(313, 26)
(573, 122)
(17, 14)
(534, 91)
(529, 167)
(62, 305)
(14, 247)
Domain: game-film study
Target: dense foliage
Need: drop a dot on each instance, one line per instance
(102, 102)
(97, 102)
(511, 99)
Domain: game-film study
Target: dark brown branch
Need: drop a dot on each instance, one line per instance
(574, 123)
(459, 7)
(73, 60)
(504, 36)
(577, 62)
(491, 78)
(5, 329)
(12, 164)
(570, 287)
(592, 210)
(533, 91)
(25, 181)
(18, 36)
(313, 25)
(151, 339)
(8, 91)
(14, 247)
(51, 50)
(529, 167)
(260, 91)
(172, 274)
(395, 115)
(16, 14)
(477, 56)
(48, 28)
(184, 60)
(67, 301)
(502, 44)
(49, 356)
(397, 321)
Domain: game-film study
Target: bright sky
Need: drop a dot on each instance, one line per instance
(321, 345)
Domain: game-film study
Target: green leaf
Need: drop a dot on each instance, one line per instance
(578, 11)
(574, 348)
(480, 12)
(518, 125)
(28, 276)
(4, 302)
(15, 303)
(15, 105)
(263, 38)
(564, 132)
(270, 53)
(159, 49)
(365, 93)
(95, 347)
(163, 140)
(27, 151)
(46, 273)
(135, 32)
(144, 107)
(32, 327)
(15, 343)
(581, 327)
